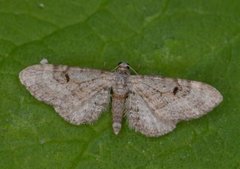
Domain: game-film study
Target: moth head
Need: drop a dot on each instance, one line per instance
(123, 68)
(123, 65)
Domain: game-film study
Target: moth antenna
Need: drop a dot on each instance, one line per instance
(133, 70)
(114, 69)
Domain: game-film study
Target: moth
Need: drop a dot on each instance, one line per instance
(153, 105)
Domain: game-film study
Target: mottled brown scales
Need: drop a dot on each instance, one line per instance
(67, 77)
(120, 92)
(175, 90)
(153, 105)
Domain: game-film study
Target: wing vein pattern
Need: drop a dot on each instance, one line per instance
(71, 91)
(155, 104)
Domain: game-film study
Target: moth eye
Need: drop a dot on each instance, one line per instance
(120, 63)
(128, 67)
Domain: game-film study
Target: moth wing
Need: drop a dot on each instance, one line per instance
(143, 119)
(78, 95)
(167, 101)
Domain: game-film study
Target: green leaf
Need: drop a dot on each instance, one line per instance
(198, 40)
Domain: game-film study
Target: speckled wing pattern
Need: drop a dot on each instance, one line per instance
(153, 105)
(156, 104)
(71, 91)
